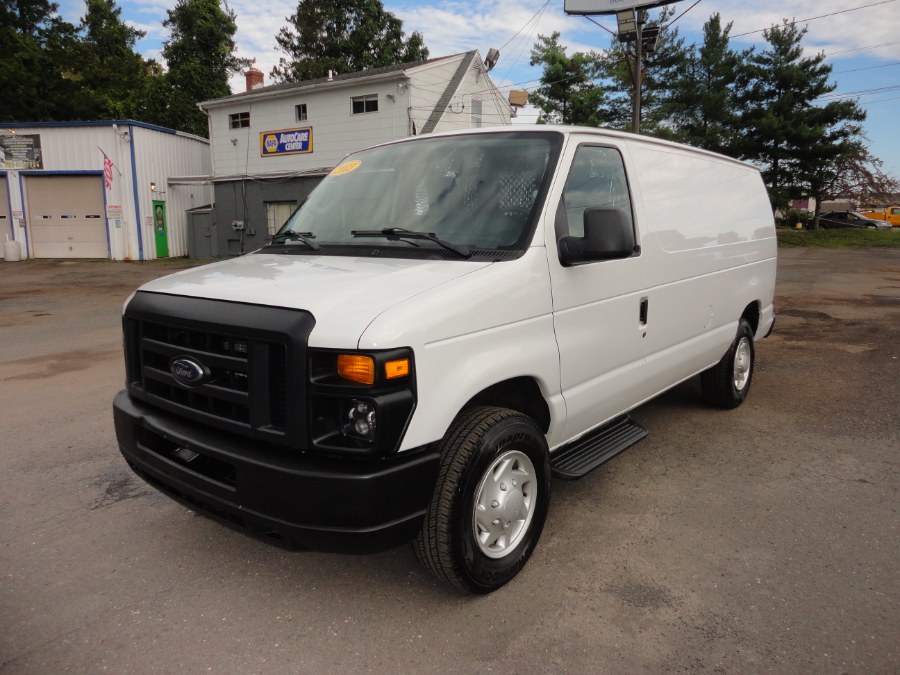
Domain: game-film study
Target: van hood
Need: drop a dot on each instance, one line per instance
(343, 294)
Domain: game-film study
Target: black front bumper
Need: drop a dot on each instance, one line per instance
(282, 496)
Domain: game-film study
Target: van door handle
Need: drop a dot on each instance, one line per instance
(645, 308)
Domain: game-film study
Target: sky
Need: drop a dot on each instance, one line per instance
(862, 44)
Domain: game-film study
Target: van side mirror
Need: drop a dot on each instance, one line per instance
(608, 235)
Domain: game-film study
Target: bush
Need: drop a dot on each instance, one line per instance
(791, 217)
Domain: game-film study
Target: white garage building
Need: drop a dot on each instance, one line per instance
(99, 189)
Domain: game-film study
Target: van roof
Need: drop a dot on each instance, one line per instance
(592, 131)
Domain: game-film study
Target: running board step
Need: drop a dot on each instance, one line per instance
(588, 452)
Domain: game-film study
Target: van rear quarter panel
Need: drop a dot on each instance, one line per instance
(707, 222)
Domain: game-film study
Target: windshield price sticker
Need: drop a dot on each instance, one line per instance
(346, 167)
(285, 142)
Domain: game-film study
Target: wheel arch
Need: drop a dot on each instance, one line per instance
(751, 314)
(522, 394)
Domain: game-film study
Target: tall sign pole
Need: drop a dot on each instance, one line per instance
(638, 73)
(631, 17)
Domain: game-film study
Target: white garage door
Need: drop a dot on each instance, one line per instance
(65, 216)
(4, 210)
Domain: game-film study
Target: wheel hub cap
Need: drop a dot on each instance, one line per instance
(742, 360)
(504, 504)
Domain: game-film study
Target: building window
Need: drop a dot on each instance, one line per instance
(364, 104)
(277, 213)
(239, 120)
(301, 112)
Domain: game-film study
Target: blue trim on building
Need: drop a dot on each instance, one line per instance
(72, 172)
(24, 217)
(137, 205)
(93, 123)
(105, 219)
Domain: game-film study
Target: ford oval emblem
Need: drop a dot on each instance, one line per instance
(187, 371)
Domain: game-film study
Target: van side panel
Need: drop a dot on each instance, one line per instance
(709, 227)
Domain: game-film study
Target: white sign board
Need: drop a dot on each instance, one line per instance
(610, 6)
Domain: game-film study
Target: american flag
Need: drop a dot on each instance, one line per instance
(107, 171)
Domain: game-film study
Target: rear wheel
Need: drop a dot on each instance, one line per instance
(490, 501)
(727, 383)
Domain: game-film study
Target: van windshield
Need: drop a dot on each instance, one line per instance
(470, 192)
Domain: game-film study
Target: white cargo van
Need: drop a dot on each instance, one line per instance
(446, 322)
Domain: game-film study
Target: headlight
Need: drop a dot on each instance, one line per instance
(360, 402)
(359, 420)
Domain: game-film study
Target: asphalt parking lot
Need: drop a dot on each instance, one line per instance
(763, 539)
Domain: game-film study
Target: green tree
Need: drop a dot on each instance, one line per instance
(343, 36)
(702, 102)
(660, 66)
(111, 74)
(200, 57)
(36, 83)
(569, 92)
(783, 130)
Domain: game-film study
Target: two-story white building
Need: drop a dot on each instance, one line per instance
(272, 144)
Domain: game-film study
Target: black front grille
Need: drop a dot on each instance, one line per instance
(252, 373)
(225, 392)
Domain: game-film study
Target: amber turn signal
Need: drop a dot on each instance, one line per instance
(356, 368)
(395, 369)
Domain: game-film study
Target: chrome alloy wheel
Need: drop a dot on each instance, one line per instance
(504, 504)
(742, 362)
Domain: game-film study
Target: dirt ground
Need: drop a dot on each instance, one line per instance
(763, 539)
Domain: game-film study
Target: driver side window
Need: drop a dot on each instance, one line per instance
(596, 179)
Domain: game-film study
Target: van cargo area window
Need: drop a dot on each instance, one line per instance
(596, 179)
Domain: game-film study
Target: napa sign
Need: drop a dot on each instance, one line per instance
(285, 142)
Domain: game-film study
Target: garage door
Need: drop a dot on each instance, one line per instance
(65, 216)
(4, 210)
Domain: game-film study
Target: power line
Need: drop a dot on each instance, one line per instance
(856, 70)
(821, 16)
(600, 24)
(542, 8)
(861, 92)
(863, 49)
(681, 15)
(883, 100)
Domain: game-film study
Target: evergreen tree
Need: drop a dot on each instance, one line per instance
(35, 44)
(112, 76)
(200, 57)
(343, 36)
(783, 130)
(569, 93)
(702, 106)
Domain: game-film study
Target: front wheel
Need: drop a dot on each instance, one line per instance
(727, 383)
(490, 501)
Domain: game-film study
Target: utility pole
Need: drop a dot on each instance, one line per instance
(638, 72)
(631, 16)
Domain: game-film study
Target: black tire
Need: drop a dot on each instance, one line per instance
(481, 439)
(727, 383)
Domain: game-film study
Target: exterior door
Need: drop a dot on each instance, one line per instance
(65, 216)
(597, 306)
(160, 229)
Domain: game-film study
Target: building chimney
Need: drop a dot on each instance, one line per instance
(254, 78)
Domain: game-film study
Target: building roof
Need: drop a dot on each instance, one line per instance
(283, 88)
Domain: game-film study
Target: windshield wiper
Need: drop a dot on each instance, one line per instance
(303, 237)
(402, 233)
